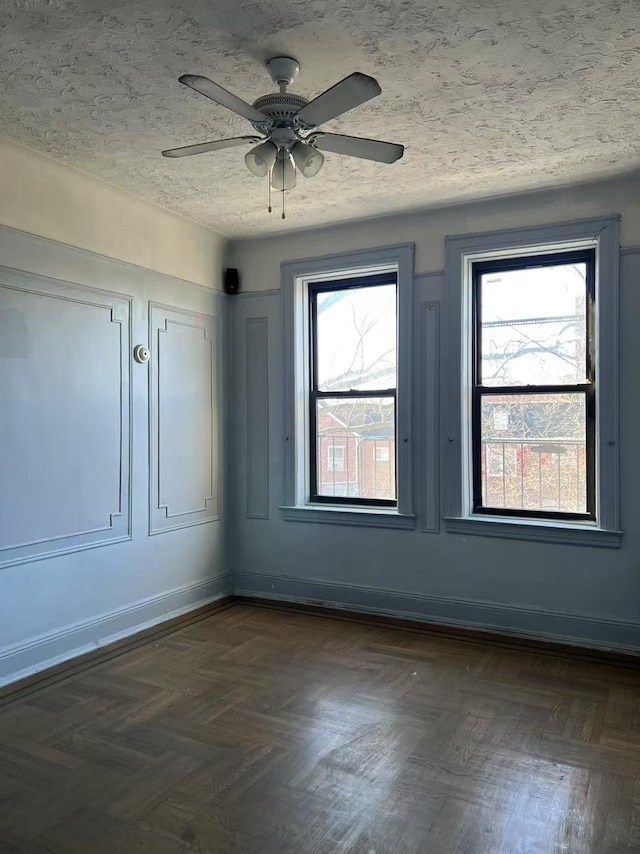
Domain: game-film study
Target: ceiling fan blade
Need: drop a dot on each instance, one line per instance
(222, 96)
(345, 95)
(201, 147)
(357, 146)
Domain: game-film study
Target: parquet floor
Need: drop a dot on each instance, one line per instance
(259, 731)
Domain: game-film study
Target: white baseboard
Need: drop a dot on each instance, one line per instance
(39, 653)
(532, 623)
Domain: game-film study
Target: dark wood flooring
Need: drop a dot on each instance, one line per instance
(259, 730)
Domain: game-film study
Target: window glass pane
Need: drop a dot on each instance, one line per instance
(355, 449)
(356, 338)
(533, 326)
(533, 451)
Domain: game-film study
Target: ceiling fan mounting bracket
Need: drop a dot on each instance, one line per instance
(283, 69)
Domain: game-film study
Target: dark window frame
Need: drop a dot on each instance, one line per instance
(315, 394)
(587, 389)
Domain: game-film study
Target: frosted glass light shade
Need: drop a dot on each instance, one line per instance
(261, 158)
(283, 174)
(307, 158)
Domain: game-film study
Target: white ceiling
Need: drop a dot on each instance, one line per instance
(489, 96)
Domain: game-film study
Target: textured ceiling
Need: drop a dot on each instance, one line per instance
(489, 96)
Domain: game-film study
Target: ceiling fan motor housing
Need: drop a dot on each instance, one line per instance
(281, 109)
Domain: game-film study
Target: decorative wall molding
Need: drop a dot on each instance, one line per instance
(39, 653)
(47, 243)
(421, 278)
(272, 292)
(20, 294)
(257, 416)
(538, 623)
(429, 342)
(186, 444)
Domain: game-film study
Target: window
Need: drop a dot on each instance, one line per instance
(348, 325)
(534, 386)
(335, 458)
(532, 439)
(352, 388)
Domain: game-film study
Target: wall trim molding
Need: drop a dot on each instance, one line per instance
(429, 414)
(44, 651)
(431, 274)
(519, 529)
(519, 621)
(119, 308)
(160, 516)
(351, 516)
(257, 394)
(271, 292)
(276, 292)
(167, 277)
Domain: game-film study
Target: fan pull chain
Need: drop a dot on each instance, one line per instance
(283, 216)
(269, 180)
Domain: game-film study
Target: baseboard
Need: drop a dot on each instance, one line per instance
(53, 656)
(523, 622)
(44, 652)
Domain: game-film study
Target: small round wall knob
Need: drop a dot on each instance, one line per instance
(141, 353)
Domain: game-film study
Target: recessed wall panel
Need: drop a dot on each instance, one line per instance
(64, 417)
(183, 418)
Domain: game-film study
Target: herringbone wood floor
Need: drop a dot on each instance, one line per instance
(259, 730)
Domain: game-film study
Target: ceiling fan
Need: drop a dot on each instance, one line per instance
(288, 142)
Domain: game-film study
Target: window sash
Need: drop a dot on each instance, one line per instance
(587, 389)
(315, 394)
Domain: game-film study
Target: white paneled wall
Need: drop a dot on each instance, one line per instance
(184, 417)
(99, 451)
(64, 417)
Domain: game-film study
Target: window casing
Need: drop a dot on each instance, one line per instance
(298, 280)
(598, 523)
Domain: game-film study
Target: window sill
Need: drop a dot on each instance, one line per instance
(543, 532)
(352, 516)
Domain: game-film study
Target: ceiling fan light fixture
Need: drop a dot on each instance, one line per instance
(307, 158)
(283, 174)
(259, 161)
(289, 137)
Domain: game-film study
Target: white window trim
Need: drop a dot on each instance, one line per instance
(296, 276)
(461, 252)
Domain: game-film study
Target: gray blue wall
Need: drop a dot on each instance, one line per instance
(580, 594)
(115, 509)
